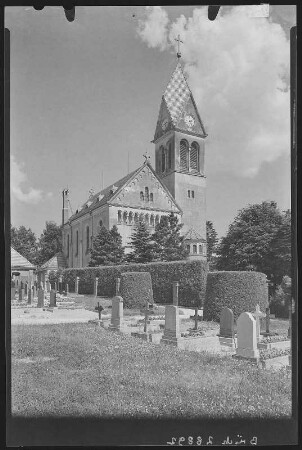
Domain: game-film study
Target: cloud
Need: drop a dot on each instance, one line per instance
(238, 70)
(153, 29)
(18, 179)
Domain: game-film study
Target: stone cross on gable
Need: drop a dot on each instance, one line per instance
(147, 157)
(178, 46)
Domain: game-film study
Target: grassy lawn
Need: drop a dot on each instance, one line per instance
(83, 370)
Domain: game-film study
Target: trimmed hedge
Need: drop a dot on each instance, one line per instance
(190, 274)
(239, 291)
(136, 289)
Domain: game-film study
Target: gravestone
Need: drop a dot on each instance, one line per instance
(52, 299)
(48, 287)
(55, 286)
(21, 295)
(77, 285)
(116, 313)
(34, 291)
(96, 282)
(247, 337)
(40, 298)
(67, 289)
(258, 314)
(172, 326)
(25, 288)
(12, 293)
(29, 295)
(175, 292)
(226, 333)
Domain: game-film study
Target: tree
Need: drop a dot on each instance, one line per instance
(142, 244)
(212, 241)
(50, 242)
(107, 248)
(168, 243)
(253, 242)
(24, 241)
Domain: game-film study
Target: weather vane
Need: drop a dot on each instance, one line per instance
(178, 46)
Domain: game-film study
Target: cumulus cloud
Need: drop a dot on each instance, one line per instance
(153, 28)
(18, 180)
(238, 70)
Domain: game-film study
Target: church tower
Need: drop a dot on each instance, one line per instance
(179, 158)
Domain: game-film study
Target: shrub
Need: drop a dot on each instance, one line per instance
(190, 274)
(136, 289)
(239, 291)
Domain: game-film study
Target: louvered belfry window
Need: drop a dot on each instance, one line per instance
(163, 159)
(169, 155)
(184, 147)
(194, 157)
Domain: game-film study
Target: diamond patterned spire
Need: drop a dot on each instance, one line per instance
(177, 93)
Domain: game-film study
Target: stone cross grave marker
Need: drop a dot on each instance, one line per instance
(226, 333)
(116, 313)
(267, 320)
(247, 337)
(175, 292)
(40, 298)
(99, 309)
(147, 312)
(257, 314)
(67, 289)
(96, 282)
(52, 299)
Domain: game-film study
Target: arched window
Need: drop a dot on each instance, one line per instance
(188, 248)
(200, 249)
(100, 223)
(141, 217)
(125, 217)
(77, 242)
(157, 219)
(194, 248)
(194, 157)
(146, 194)
(68, 246)
(147, 219)
(130, 218)
(151, 197)
(119, 217)
(163, 159)
(142, 195)
(87, 239)
(169, 164)
(184, 154)
(152, 220)
(135, 217)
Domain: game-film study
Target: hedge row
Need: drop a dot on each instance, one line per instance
(239, 291)
(136, 289)
(190, 274)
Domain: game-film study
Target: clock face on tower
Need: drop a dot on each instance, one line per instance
(189, 121)
(164, 124)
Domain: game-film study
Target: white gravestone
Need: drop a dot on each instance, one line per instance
(257, 314)
(116, 313)
(246, 337)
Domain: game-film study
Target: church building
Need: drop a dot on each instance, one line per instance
(177, 184)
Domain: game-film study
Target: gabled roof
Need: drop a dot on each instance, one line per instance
(19, 262)
(109, 194)
(56, 262)
(192, 235)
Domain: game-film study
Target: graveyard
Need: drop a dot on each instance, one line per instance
(79, 355)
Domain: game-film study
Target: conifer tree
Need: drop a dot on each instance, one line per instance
(142, 244)
(107, 248)
(168, 243)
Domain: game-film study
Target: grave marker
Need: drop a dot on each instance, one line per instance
(226, 333)
(175, 292)
(77, 285)
(40, 298)
(257, 314)
(116, 313)
(34, 292)
(21, 295)
(96, 282)
(25, 288)
(12, 293)
(52, 299)
(29, 295)
(67, 289)
(172, 326)
(117, 286)
(247, 337)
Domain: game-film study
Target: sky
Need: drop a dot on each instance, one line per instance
(85, 97)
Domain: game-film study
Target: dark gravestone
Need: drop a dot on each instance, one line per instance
(226, 323)
(21, 295)
(29, 295)
(40, 298)
(52, 299)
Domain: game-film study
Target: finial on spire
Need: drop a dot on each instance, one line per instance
(178, 46)
(147, 157)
